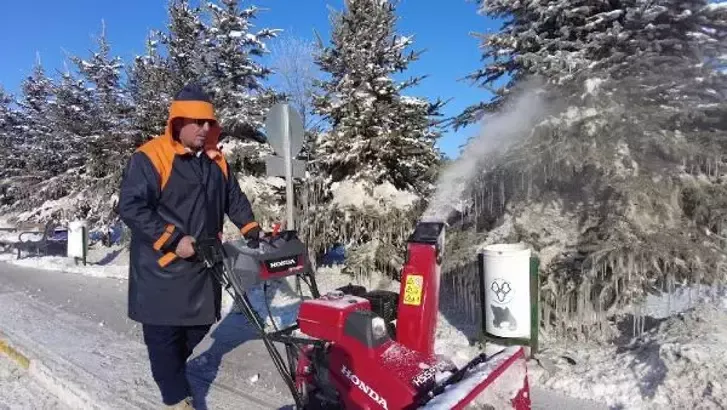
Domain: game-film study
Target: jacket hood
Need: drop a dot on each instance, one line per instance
(193, 103)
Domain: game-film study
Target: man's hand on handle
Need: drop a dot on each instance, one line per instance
(185, 247)
(253, 237)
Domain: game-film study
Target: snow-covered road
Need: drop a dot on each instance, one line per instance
(77, 326)
(19, 391)
(83, 314)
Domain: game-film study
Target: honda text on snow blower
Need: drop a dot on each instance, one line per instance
(353, 349)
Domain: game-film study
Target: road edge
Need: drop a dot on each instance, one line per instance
(73, 395)
(67, 392)
(9, 350)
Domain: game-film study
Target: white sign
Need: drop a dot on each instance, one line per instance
(283, 122)
(284, 129)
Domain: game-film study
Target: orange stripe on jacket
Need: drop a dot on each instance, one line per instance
(161, 154)
(164, 237)
(168, 258)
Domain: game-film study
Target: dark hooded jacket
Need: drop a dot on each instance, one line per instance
(168, 192)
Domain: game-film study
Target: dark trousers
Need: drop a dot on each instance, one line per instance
(169, 347)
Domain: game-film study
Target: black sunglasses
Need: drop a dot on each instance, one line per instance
(201, 122)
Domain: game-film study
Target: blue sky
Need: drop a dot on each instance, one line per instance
(55, 28)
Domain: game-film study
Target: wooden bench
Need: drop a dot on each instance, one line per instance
(38, 247)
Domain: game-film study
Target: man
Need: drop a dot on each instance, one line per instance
(177, 188)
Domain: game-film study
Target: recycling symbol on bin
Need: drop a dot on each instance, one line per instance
(503, 290)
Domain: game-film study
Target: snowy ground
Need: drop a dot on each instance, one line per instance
(680, 363)
(111, 262)
(18, 390)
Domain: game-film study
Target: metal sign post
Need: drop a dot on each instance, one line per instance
(284, 129)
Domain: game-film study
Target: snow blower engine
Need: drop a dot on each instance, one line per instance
(358, 349)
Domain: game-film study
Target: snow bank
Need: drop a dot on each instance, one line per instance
(358, 195)
(101, 262)
(46, 211)
(255, 187)
(681, 363)
(22, 391)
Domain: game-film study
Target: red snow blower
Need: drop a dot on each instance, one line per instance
(358, 349)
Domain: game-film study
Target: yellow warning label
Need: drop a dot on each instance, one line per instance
(413, 290)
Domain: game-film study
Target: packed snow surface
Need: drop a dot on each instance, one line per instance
(19, 391)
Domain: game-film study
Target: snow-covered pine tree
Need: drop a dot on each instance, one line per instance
(186, 45)
(150, 88)
(236, 78)
(74, 113)
(11, 162)
(376, 134)
(620, 191)
(372, 164)
(37, 140)
(112, 138)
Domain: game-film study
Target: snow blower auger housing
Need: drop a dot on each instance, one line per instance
(368, 350)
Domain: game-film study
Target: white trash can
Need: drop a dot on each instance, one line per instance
(507, 290)
(77, 247)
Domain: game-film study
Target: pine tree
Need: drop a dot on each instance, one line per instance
(236, 79)
(74, 112)
(619, 186)
(186, 44)
(111, 140)
(378, 144)
(11, 162)
(150, 88)
(376, 134)
(36, 137)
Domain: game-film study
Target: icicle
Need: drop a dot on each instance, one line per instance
(502, 193)
(716, 167)
(546, 316)
(522, 181)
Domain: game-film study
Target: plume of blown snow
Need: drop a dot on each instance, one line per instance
(498, 132)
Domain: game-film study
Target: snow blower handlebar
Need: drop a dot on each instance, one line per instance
(215, 256)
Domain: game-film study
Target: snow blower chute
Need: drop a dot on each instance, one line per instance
(358, 349)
